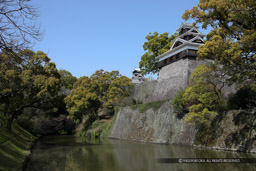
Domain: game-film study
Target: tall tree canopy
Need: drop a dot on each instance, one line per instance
(18, 24)
(155, 45)
(27, 79)
(102, 90)
(203, 95)
(232, 44)
(203, 99)
(67, 79)
(119, 89)
(233, 39)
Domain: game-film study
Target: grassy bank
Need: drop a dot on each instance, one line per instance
(146, 106)
(14, 146)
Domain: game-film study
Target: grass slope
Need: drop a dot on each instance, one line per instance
(146, 106)
(14, 146)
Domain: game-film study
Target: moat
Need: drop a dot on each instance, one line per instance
(58, 153)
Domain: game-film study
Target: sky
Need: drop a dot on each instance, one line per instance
(83, 36)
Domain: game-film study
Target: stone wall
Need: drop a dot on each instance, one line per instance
(171, 78)
(232, 131)
(153, 125)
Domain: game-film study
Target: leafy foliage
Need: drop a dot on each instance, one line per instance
(178, 101)
(103, 90)
(82, 101)
(203, 97)
(232, 42)
(27, 79)
(244, 98)
(66, 79)
(119, 91)
(155, 45)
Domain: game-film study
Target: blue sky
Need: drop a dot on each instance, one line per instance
(83, 36)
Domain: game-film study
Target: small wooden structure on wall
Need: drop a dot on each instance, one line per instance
(137, 77)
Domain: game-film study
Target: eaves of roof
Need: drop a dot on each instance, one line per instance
(177, 48)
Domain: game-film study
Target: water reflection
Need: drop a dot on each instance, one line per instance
(69, 153)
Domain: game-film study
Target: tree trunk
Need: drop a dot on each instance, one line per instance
(9, 122)
(5, 109)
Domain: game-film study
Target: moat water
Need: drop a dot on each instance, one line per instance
(70, 153)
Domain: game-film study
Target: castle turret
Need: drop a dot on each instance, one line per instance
(184, 46)
(137, 78)
(177, 64)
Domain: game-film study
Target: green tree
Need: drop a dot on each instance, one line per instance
(155, 45)
(244, 98)
(101, 90)
(178, 102)
(232, 42)
(101, 81)
(57, 105)
(66, 79)
(203, 97)
(82, 102)
(27, 79)
(119, 92)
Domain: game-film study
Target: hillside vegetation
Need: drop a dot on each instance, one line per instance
(14, 146)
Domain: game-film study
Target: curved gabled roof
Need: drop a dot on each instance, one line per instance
(180, 44)
(185, 41)
(178, 40)
(190, 32)
(186, 25)
(196, 38)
